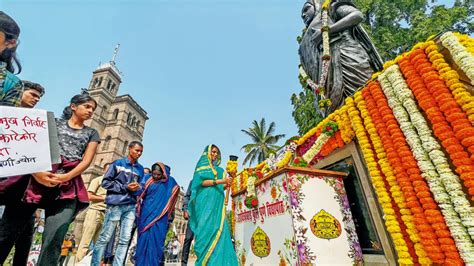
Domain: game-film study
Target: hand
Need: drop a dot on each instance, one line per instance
(316, 34)
(228, 181)
(46, 179)
(133, 187)
(186, 215)
(61, 177)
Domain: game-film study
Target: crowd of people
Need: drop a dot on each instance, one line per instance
(125, 202)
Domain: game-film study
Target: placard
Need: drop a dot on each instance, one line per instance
(24, 141)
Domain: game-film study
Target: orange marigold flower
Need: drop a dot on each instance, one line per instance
(445, 241)
(452, 149)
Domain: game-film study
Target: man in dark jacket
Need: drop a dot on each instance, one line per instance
(121, 183)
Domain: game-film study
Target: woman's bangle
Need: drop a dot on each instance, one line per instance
(214, 182)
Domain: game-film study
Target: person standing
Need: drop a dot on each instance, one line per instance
(72, 249)
(155, 205)
(94, 216)
(22, 236)
(11, 87)
(32, 93)
(61, 192)
(175, 246)
(188, 239)
(67, 244)
(213, 244)
(121, 183)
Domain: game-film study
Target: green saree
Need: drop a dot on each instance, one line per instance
(212, 243)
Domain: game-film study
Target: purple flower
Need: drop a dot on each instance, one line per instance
(358, 250)
(301, 252)
(293, 199)
(345, 203)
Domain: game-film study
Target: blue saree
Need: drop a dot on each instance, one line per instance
(155, 205)
(212, 243)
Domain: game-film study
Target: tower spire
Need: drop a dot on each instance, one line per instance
(115, 53)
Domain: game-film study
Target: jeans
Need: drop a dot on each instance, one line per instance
(187, 245)
(114, 214)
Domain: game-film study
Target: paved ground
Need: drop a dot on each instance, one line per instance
(71, 263)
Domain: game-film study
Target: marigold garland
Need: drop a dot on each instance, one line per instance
(402, 214)
(463, 58)
(391, 221)
(466, 41)
(407, 191)
(449, 122)
(451, 78)
(413, 185)
(347, 133)
(430, 159)
(429, 100)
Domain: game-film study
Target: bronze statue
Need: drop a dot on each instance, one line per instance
(353, 57)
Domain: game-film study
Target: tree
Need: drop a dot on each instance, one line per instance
(264, 142)
(169, 235)
(397, 25)
(394, 26)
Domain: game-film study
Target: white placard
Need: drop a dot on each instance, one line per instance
(24, 141)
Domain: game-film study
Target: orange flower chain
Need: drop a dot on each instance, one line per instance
(371, 150)
(429, 242)
(427, 216)
(440, 107)
(451, 78)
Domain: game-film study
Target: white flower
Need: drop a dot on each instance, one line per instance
(431, 160)
(463, 58)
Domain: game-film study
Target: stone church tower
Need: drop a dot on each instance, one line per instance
(119, 119)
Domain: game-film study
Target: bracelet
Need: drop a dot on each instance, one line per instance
(214, 182)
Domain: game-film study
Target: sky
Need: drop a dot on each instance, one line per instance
(202, 69)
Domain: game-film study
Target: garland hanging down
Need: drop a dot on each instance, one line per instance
(319, 89)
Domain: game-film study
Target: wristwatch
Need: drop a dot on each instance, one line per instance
(214, 181)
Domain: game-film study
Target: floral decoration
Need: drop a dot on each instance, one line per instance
(463, 58)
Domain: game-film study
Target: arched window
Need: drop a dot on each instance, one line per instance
(115, 115)
(129, 117)
(112, 89)
(109, 84)
(104, 112)
(100, 82)
(125, 147)
(138, 124)
(106, 143)
(133, 121)
(96, 80)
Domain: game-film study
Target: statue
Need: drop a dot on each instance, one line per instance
(351, 59)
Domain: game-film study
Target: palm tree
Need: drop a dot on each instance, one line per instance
(264, 142)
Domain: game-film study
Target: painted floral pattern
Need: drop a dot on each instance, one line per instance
(296, 197)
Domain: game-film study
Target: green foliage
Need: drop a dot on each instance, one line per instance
(397, 25)
(394, 26)
(304, 113)
(169, 235)
(263, 141)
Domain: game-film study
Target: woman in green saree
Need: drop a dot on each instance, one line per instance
(212, 244)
